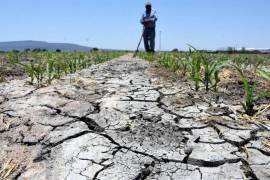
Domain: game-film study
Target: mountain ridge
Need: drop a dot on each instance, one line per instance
(30, 44)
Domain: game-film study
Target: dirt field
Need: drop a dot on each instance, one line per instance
(129, 119)
(10, 71)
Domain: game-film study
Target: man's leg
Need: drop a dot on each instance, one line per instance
(152, 40)
(146, 40)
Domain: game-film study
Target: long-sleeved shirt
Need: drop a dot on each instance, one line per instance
(149, 20)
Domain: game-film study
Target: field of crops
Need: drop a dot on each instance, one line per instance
(207, 71)
(204, 113)
(44, 67)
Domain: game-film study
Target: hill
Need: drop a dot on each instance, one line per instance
(22, 45)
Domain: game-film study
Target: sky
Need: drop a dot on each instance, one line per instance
(114, 24)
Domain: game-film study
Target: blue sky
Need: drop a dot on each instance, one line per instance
(206, 24)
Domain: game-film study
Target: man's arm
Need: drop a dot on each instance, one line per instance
(142, 20)
(146, 20)
(153, 18)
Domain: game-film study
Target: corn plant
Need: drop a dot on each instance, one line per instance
(50, 70)
(87, 61)
(238, 60)
(177, 62)
(148, 56)
(166, 61)
(195, 66)
(13, 57)
(28, 67)
(264, 74)
(208, 71)
(211, 72)
(70, 65)
(250, 97)
(98, 58)
(1, 61)
(39, 71)
(184, 63)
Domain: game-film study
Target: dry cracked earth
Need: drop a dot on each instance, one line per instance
(118, 121)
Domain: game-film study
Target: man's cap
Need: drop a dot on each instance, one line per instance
(148, 4)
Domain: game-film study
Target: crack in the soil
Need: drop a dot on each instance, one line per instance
(131, 99)
(208, 142)
(253, 136)
(189, 129)
(249, 173)
(162, 106)
(32, 143)
(191, 161)
(58, 125)
(239, 144)
(101, 170)
(146, 171)
(4, 99)
(94, 162)
(51, 145)
(26, 95)
(234, 128)
(266, 153)
(92, 125)
(20, 172)
(42, 156)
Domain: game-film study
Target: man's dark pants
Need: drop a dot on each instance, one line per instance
(149, 39)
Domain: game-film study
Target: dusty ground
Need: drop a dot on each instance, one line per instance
(119, 120)
(10, 71)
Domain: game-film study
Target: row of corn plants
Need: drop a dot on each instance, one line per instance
(44, 67)
(194, 64)
(204, 68)
(251, 98)
(251, 64)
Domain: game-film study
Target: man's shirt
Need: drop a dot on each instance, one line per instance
(149, 20)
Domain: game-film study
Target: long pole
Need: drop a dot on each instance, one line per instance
(137, 50)
(160, 40)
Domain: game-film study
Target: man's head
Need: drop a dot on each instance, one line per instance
(148, 7)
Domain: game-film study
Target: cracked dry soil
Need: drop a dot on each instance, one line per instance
(118, 121)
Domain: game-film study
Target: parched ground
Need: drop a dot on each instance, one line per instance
(9, 71)
(121, 120)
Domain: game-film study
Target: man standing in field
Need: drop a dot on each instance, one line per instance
(149, 22)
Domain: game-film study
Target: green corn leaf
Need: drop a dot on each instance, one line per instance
(264, 74)
(262, 95)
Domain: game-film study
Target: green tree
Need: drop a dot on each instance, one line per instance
(95, 49)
